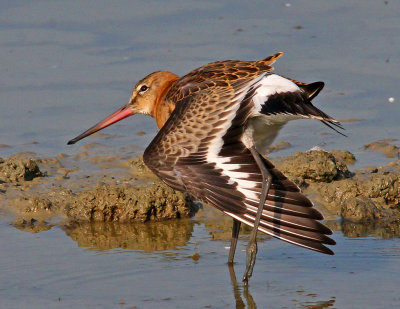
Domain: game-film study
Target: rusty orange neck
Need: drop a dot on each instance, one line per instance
(162, 108)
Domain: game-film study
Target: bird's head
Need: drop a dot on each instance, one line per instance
(146, 96)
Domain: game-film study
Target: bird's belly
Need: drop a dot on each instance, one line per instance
(264, 131)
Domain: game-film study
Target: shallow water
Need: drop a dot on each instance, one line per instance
(66, 65)
(105, 266)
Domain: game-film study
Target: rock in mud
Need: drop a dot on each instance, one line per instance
(134, 194)
(113, 202)
(343, 156)
(16, 169)
(366, 195)
(123, 203)
(314, 166)
(112, 193)
(385, 146)
(360, 208)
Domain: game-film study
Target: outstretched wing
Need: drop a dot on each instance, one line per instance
(200, 150)
(193, 126)
(282, 99)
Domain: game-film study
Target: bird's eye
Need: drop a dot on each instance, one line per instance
(143, 89)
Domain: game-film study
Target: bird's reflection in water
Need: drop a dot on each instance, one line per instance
(148, 237)
(244, 299)
(237, 292)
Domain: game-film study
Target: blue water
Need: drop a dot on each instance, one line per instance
(67, 64)
(48, 270)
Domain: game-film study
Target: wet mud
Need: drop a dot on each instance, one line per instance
(125, 203)
(18, 168)
(389, 147)
(94, 186)
(371, 194)
(85, 188)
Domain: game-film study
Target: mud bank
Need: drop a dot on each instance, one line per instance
(94, 186)
(16, 169)
(40, 191)
(364, 195)
(124, 203)
(387, 146)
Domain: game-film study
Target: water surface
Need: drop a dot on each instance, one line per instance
(66, 65)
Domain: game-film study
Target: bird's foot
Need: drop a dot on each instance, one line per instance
(251, 253)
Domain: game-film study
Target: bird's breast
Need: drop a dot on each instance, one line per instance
(261, 132)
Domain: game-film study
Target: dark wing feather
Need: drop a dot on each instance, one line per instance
(200, 150)
(298, 103)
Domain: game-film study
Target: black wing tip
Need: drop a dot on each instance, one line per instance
(319, 85)
(328, 251)
(320, 248)
(329, 241)
(330, 123)
(313, 89)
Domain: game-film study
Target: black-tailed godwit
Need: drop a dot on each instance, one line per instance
(214, 122)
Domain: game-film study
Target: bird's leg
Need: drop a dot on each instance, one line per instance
(236, 292)
(251, 251)
(235, 235)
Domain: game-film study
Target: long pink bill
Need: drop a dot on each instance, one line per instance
(123, 112)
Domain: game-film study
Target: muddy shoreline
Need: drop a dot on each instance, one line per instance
(89, 188)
